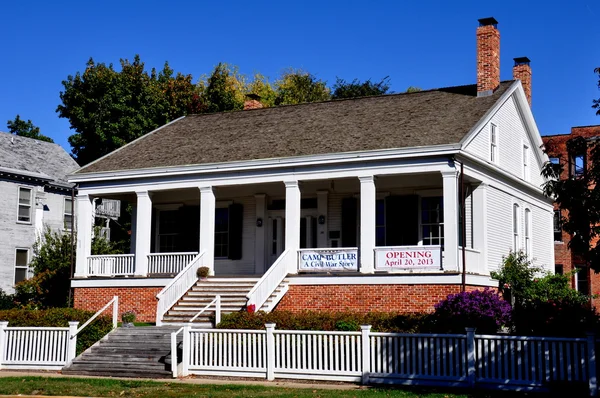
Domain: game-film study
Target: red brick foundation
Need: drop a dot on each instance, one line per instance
(141, 300)
(366, 298)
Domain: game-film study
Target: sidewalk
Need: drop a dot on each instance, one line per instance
(193, 380)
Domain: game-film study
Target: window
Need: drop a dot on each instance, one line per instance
(380, 222)
(68, 215)
(528, 232)
(555, 160)
(168, 231)
(432, 220)
(557, 226)
(577, 165)
(493, 143)
(525, 162)
(21, 267)
(24, 213)
(581, 280)
(558, 269)
(516, 226)
(222, 232)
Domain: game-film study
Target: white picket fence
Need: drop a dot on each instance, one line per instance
(43, 348)
(462, 360)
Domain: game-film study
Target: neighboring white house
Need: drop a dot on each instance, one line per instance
(340, 205)
(35, 193)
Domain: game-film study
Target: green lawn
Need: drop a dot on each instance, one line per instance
(135, 388)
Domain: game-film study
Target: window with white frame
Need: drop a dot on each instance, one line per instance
(21, 265)
(525, 162)
(24, 211)
(528, 232)
(68, 214)
(432, 220)
(516, 228)
(493, 143)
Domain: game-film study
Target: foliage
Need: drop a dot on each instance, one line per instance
(128, 317)
(51, 265)
(24, 128)
(298, 86)
(7, 301)
(60, 317)
(544, 303)
(202, 272)
(413, 89)
(596, 102)
(109, 108)
(481, 309)
(328, 321)
(223, 90)
(261, 86)
(343, 89)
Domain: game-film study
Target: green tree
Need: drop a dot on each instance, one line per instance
(261, 86)
(51, 265)
(297, 86)
(24, 128)
(223, 90)
(109, 108)
(343, 89)
(413, 89)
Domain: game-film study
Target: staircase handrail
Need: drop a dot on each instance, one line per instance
(217, 302)
(267, 284)
(171, 293)
(115, 315)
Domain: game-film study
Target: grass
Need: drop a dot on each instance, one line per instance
(148, 389)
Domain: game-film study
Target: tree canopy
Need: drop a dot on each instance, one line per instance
(343, 89)
(108, 108)
(596, 102)
(24, 128)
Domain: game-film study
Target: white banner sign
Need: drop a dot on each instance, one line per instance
(408, 257)
(329, 260)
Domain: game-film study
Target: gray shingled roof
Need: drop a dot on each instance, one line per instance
(35, 158)
(426, 118)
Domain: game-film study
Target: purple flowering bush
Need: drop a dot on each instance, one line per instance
(481, 309)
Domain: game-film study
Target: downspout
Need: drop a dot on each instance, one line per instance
(72, 242)
(463, 231)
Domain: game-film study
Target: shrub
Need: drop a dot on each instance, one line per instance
(328, 321)
(128, 317)
(481, 309)
(7, 301)
(202, 272)
(60, 317)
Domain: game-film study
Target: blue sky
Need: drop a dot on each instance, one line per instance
(417, 43)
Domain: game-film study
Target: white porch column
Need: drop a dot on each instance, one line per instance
(292, 222)
(368, 198)
(84, 218)
(450, 186)
(207, 227)
(480, 224)
(322, 229)
(143, 232)
(260, 233)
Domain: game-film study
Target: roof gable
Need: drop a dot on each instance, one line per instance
(427, 118)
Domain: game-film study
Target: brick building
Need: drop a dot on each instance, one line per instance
(586, 280)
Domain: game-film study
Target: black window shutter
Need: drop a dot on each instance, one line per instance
(409, 206)
(236, 222)
(349, 222)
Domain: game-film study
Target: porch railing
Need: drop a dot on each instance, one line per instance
(263, 289)
(177, 288)
(111, 265)
(169, 263)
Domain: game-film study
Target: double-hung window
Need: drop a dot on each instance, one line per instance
(222, 232)
(432, 220)
(528, 246)
(516, 228)
(493, 143)
(25, 201)
(68, 214)
(21, 265)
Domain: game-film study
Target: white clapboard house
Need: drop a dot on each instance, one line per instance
(339, 205)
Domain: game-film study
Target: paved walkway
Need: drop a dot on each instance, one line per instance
(193, 380)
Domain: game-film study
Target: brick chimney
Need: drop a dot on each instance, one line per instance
(488, 57)
(253, 102)
(522, 71)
